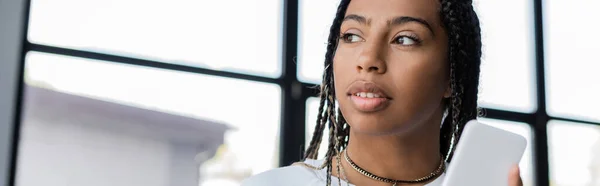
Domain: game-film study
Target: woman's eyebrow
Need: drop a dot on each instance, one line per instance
(400, 20)
(407, 19)
(358, 18)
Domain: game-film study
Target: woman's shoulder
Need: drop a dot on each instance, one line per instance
(293, 175)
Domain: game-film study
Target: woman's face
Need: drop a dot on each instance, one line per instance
(390, 69)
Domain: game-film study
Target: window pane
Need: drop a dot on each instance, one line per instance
(101, 123)
(514, 92)
(507, 80)
(574, 154)
(571, 48)
(212, 34)
(312, 109)
(315, 18)
(523, 129)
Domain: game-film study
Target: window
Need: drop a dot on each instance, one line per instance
(523, 129)
(188, 32)
(96, 120)
(572, 91)
(571, 60)
(89, 122)
(315, 18)
(507, 80)
(574, 153)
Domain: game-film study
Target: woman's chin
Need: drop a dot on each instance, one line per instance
(379, 129)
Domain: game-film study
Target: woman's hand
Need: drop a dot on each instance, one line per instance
(514, 177)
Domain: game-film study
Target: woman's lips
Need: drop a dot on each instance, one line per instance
(368, 103)
(368, 96)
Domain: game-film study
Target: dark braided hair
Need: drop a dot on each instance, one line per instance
(464, 57)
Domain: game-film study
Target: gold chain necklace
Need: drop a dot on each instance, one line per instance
(342, 172)
(423, 179)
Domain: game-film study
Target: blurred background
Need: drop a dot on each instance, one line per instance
(207, 93)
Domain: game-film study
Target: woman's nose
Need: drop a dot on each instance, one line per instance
(371, 59)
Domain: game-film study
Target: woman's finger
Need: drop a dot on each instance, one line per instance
(514, 177)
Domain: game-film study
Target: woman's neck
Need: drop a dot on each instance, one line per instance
(403, 157)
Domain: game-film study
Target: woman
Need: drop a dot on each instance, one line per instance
(398, 69)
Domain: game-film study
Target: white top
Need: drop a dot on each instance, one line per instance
(303, 176)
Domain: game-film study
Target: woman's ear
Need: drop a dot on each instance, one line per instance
(448, 91)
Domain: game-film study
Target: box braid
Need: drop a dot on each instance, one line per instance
(464, 55)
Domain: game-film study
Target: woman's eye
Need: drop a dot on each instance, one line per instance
(405, 40)
(351, 38)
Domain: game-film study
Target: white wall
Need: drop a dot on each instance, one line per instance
(71, 154)
(80, 141)
(64, 152)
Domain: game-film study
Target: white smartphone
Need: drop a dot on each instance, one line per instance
(484, 156)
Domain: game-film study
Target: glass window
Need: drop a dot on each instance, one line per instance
(498, 90)
(188, 32)
(523, 129)
(574, 153)
(89, 122)
(507, 64)
(571, 58)
(315, 18)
